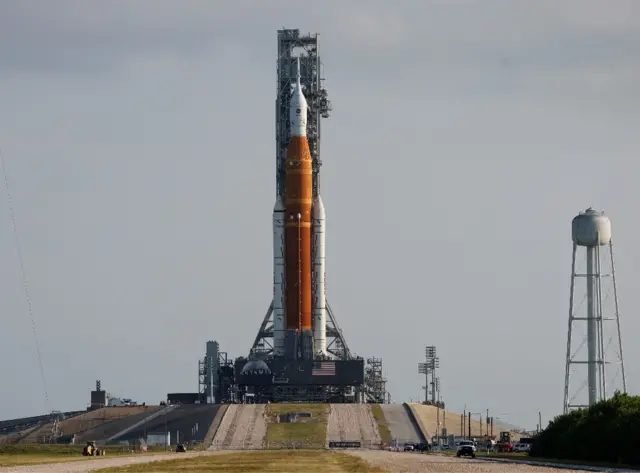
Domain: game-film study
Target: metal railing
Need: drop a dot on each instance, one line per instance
(290, 445)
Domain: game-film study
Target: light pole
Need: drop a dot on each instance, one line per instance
(429, 368)
(493, 419)
(424, 369)
(433, 362)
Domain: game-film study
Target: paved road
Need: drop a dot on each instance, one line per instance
(392, 462)
(400, 462)
(400, 424)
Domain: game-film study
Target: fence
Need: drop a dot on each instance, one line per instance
(294, 445)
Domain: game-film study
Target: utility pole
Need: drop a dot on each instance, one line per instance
(463, 417)
(166, 429)
(444, 419)
(539, 421)
(487, 422)
(469, 420)
(438, 431)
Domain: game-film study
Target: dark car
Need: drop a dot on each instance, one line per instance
(181, 448)
(422, 447)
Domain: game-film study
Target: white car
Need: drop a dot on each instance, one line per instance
(466, 448)
(521, 447)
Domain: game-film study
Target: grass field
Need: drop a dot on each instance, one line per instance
(378, 414)
(306, 432)
(258, 462)
(41, 453)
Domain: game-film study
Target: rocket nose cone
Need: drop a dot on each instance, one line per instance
(318, 208)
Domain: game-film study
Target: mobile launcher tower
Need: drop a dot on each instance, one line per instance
(300, 353)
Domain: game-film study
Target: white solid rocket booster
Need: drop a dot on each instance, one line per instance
(278, 278)
(319, 293)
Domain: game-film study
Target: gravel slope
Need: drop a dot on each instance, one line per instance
(227, 425)
(427, 417)
(352, 422)
(397, 462)
(243, 427)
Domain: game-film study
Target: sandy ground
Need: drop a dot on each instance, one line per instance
(82, 466)
(352, 422)
(400, 462)
(243, 426)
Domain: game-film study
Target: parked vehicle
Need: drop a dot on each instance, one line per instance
(466, 448)
(522, 447)
(504, 445)
(92, 450)
(422, 447)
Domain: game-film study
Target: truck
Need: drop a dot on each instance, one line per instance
(505, 445)
(92, 450)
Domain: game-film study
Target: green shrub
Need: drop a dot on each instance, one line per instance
(605, 432)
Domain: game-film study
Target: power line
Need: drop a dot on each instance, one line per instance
(24, 277)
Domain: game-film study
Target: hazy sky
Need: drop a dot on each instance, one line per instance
(139, 139)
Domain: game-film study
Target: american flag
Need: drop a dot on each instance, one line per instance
(324, 368)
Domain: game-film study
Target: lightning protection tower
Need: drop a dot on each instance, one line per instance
(592, 230)
(291, 46)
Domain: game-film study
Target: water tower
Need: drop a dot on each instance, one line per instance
(589, 310)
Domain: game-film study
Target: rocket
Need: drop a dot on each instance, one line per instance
(299, 299)
(298, 197)
(319, 273)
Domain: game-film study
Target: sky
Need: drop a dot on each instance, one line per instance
(139, 143)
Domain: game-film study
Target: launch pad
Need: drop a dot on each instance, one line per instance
(299, 353)
(280, 380)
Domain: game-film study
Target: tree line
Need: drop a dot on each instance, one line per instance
(607, 432)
